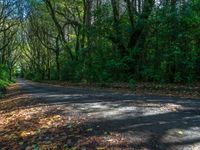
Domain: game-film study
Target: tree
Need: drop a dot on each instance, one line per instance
(102, 41)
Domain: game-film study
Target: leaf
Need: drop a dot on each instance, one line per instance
(100, 148)
(107, 133)
(36, 147)
(69, 126)
(90, 129)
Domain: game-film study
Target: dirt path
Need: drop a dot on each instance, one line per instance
(41, 116)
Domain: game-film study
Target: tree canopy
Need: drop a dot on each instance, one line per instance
(101, 40)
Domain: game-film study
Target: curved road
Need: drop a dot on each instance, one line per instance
(150, 122)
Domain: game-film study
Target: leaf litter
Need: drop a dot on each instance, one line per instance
(26, 124)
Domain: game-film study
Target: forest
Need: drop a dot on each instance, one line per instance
(100, 40)
(99, 74)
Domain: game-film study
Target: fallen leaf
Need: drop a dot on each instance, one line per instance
(90, 129)
(100, 148)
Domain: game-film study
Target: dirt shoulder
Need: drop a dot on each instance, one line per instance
(144, 88)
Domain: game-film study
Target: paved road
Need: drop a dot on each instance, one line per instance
(152, 122)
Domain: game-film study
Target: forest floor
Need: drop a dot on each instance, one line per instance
(42, 116)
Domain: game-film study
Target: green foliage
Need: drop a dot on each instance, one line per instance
(34, 76)
(38, 77)
(4, 84)
(166, 50)
(172, 48)
(4, 75)
(4, 79)
(29, 76)
(132, 84)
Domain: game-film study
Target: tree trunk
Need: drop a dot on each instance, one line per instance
(147, 8)
(58, 67)
(88, 21)
(130, 12)
(77, 47)
(117, 39)
(58, 26)
(10, 74)
(83, 26)
(57, 59)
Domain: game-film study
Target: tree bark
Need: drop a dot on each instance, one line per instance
(117, 39)
(58, 26)
(88, 21)
(147, 9)
(58, 75)
(130, 12)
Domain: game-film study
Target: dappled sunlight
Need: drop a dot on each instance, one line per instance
(65, 95)
(28, 133)
(178, 138)
(130, 109)
(41, 123)
(99, 74)
(53, 125)
(53, 122)
(179, 134)
(99, 142)
(14, 117)
(61, 120)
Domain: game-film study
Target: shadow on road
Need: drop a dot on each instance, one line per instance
(100, 118)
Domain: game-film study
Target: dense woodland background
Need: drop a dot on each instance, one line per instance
(100, 40)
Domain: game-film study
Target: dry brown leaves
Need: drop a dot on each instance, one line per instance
(26, 124)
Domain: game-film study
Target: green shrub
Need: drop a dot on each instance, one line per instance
(132, 84)
(3, 85)
(4, 75)
(178, 77)
(29, 76)
(38, 77)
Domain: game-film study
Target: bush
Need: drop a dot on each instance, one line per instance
(29, 76)
(3, 85)
(37, 77)
(132, 84)
(4, 75)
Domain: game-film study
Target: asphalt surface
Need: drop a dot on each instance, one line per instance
(153, 122)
